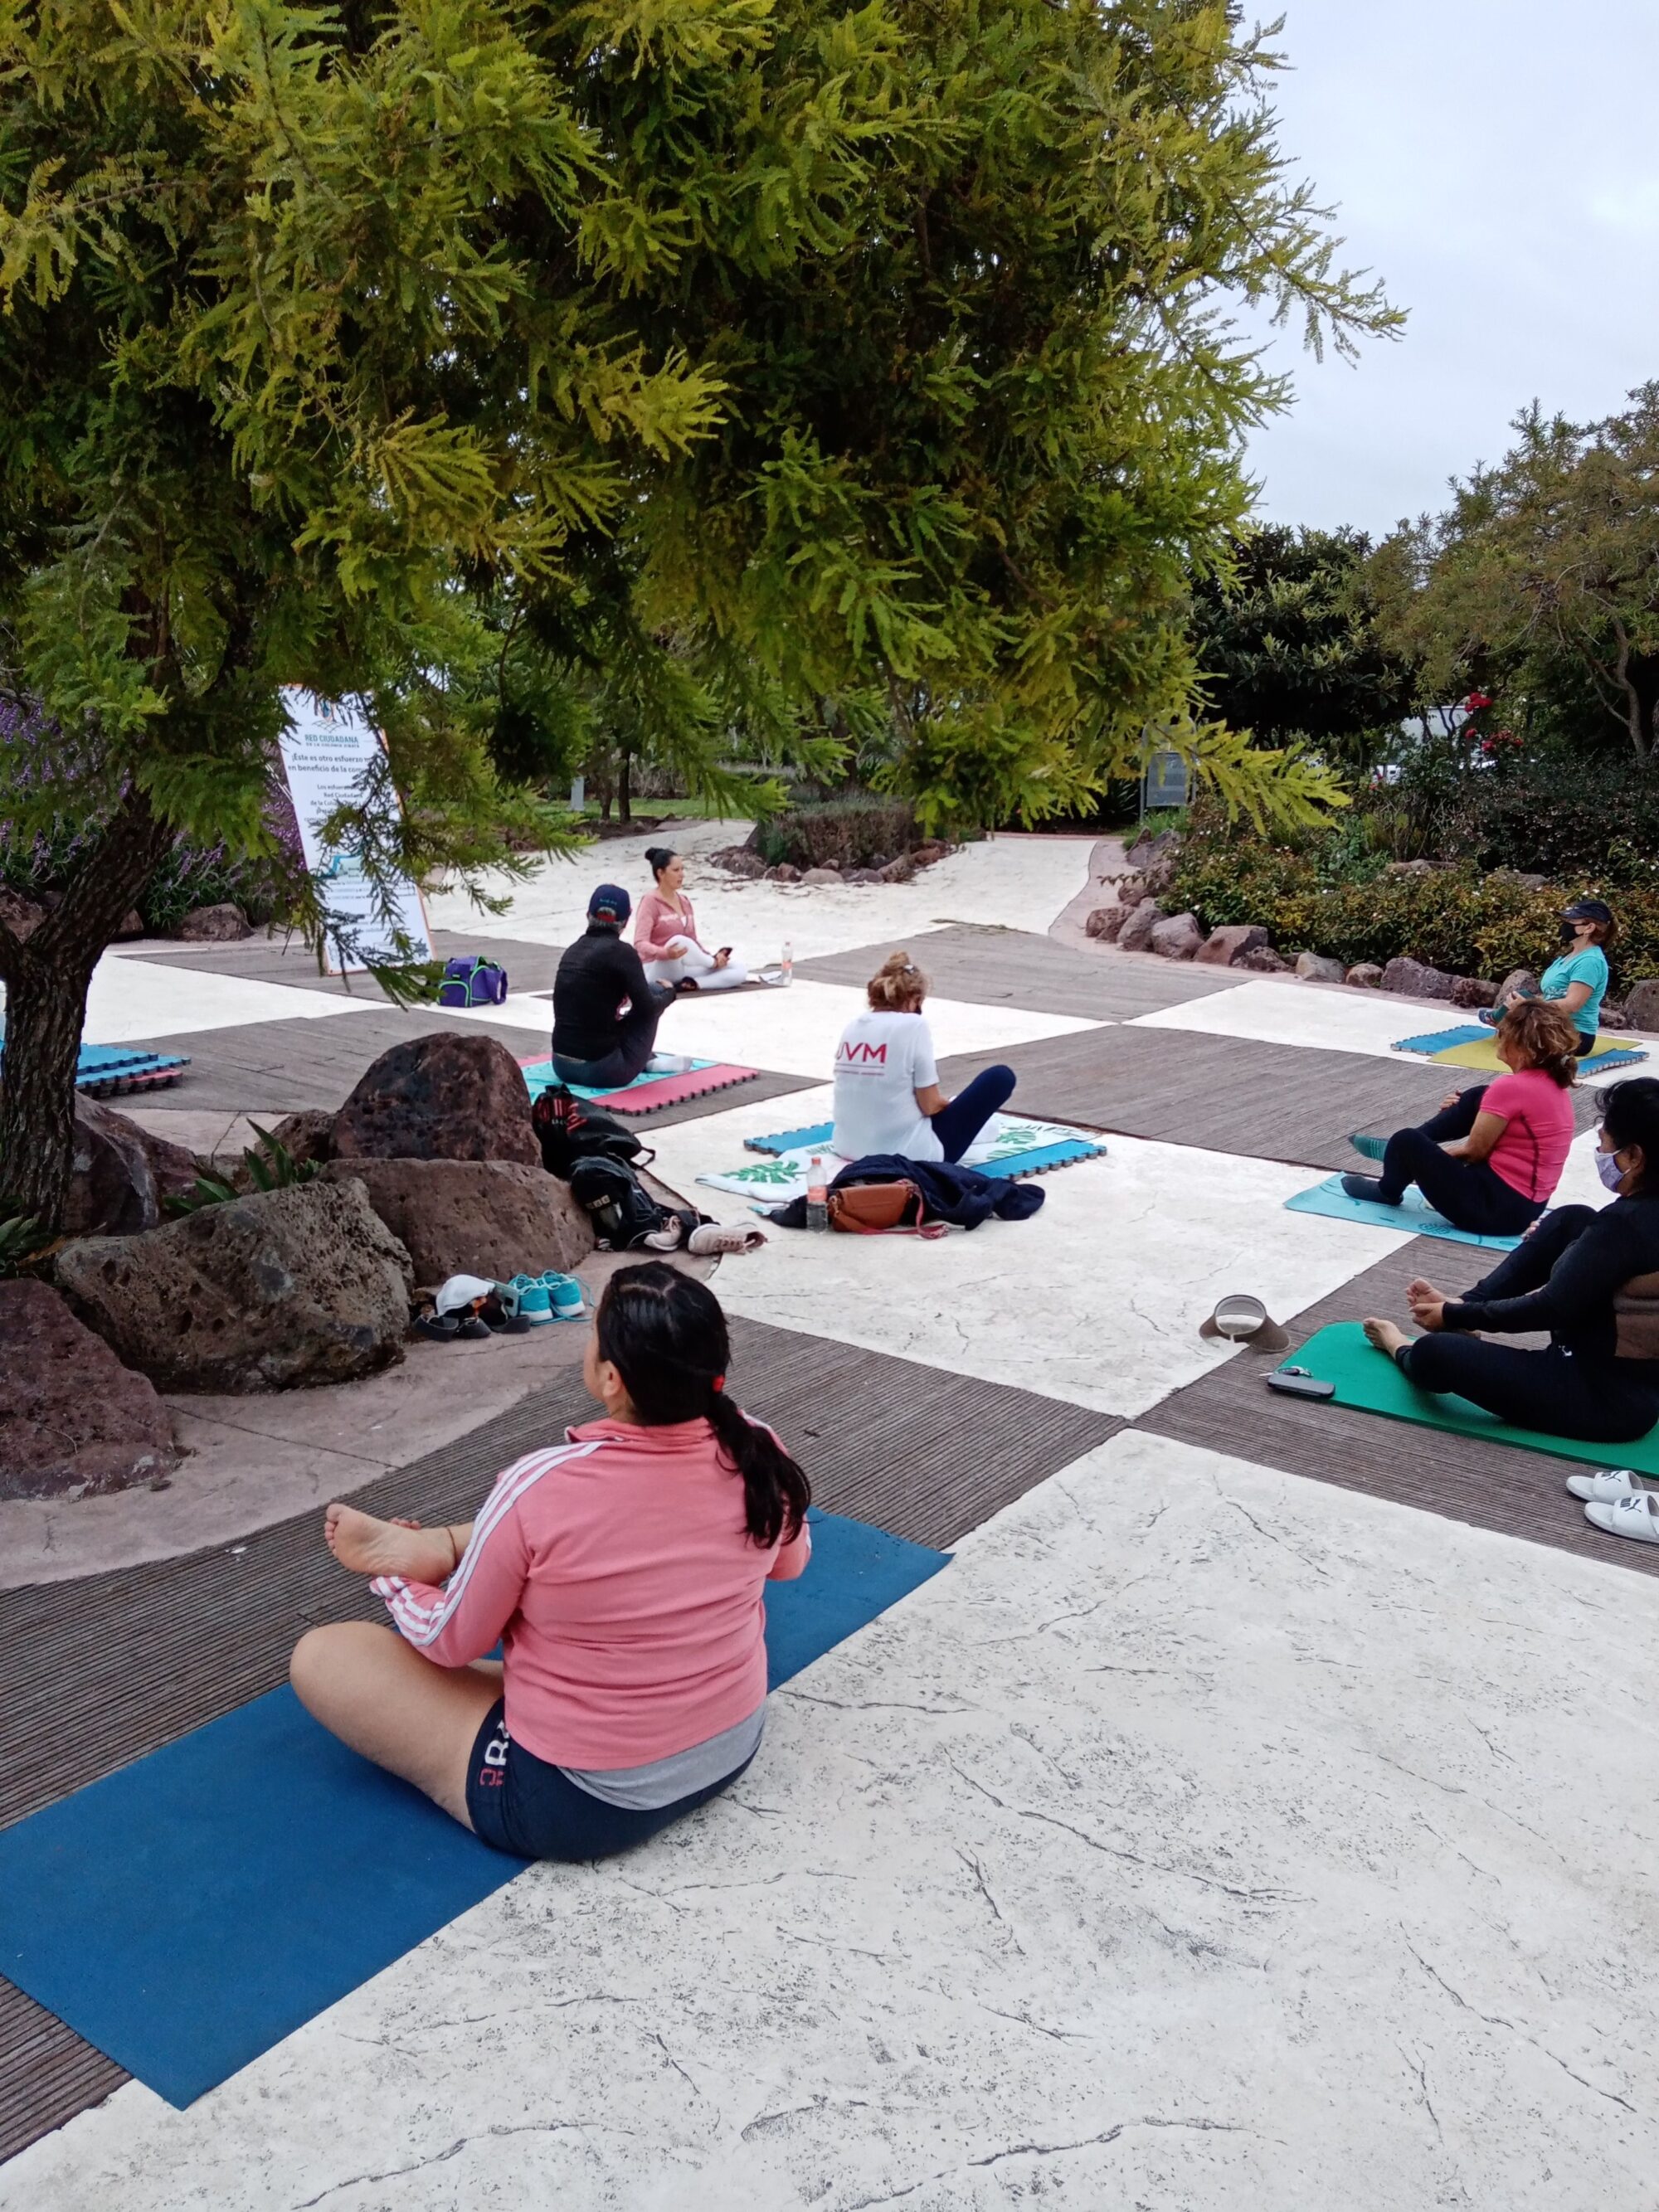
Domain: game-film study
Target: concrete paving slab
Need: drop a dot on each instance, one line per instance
(1097, 1298)
(1201, 1837)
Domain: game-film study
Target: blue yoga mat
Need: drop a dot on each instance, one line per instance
(1412, 1217)
(188, 1912)
(1433, 1041)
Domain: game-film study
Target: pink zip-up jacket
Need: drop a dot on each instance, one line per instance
(657, 925)
(627, 1594)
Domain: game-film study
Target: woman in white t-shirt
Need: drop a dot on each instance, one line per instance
(887, 1093)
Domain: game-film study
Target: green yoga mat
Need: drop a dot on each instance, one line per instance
(1373, 1384)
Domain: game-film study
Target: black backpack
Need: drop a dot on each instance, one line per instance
(622, 1210)
(569, 1130)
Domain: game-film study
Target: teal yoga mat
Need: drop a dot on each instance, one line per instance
(1371, 1383)
(188, 1912)
(1413, 1217)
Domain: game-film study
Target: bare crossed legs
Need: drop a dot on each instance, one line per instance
(375, 1691)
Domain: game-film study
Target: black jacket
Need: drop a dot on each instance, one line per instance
(948, 1191)
(596, 973)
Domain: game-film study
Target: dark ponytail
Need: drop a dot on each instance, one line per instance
(658, 857)
(1629, 1115)
(665, 1334)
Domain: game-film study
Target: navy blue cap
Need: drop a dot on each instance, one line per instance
(610, 902)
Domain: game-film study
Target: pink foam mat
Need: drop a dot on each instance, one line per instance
(645, 1097)
(647, 1093)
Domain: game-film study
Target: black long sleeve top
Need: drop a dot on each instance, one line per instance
(596, 975)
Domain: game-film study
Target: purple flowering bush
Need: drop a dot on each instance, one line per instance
(50, 811)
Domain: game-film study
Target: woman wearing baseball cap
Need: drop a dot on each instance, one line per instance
(1577, 977)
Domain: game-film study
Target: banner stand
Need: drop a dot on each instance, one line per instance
(328, 749)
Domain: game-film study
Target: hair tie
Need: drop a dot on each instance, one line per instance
(718, 1382)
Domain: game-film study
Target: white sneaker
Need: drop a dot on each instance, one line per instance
(1610, 1485)
(1637, 1516)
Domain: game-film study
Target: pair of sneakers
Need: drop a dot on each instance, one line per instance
(539, 1299)
(1620, 1501)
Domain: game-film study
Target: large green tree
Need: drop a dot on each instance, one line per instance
(791, 364)
(1539, 585)
(974, 443)
(1285, 635)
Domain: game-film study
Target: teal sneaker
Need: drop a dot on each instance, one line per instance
(535, 1305)
(564, 1295)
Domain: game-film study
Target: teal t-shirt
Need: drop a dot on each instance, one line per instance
(1589, 966)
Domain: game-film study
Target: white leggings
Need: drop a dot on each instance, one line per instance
(700, 965)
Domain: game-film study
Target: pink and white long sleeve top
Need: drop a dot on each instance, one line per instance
(625, 1590)
(658, 924)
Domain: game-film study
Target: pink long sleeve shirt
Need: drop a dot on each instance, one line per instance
(657, 925)
(627, 1594)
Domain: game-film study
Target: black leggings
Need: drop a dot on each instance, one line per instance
(1552, 1392)
(1470, 1194)
(636, 1039)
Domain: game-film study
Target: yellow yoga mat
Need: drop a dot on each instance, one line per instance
(1485, 1054)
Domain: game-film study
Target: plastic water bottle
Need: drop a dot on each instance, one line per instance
(788, 964)
(817, 1196)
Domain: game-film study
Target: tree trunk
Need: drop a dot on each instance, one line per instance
(46, 979)
(45, 1010)
(624, 786)
(1636, 717)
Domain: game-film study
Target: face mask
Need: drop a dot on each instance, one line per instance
(1608, 1167)
(1568, 931)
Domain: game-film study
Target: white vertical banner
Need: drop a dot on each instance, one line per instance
(328, 749)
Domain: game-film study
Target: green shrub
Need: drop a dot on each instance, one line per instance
(1452, 918)
(21, 1238)
(271, 1167)
(1556, 814)
(186, 876)
(855, 832)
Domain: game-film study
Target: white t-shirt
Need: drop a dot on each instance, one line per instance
(881, 1062)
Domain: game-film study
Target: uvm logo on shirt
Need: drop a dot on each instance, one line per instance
(856, 1053)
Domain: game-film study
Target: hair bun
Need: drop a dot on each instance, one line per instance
(898, 982)
(658, 857)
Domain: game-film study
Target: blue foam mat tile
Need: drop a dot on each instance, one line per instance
(1043, 1158)
(1621, 1056)
(818, 1133)
(189, 1911)
(1433, 1041)
(1414, 1217)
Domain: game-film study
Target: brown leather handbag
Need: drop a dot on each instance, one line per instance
(873, 1209)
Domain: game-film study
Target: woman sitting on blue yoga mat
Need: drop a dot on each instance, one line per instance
(1590, 1277)
(1490, 1159)
(887, 1094)
(622, 1572)
(1578, 978)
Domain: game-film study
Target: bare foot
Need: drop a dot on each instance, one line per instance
(1387, 1335)
(1421, 1290)
(365, 1546)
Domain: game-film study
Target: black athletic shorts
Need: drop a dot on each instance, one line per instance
(519, 1803)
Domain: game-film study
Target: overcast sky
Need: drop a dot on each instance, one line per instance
(1497, 162)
